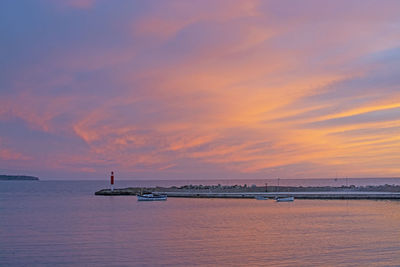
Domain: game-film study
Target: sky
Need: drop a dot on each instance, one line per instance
(200, 89)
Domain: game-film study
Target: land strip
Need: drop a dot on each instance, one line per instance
(327, 192)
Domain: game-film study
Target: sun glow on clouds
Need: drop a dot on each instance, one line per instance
(202, 89)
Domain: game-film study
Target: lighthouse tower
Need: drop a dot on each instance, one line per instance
(112, 181)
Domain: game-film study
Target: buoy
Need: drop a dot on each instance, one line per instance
(112, 181)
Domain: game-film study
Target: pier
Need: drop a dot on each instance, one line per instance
(297, 195)
(181, 193)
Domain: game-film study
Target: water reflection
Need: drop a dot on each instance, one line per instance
(75, 228)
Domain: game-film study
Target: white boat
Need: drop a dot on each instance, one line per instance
(151, 197)
(261, 197)
(284, 199)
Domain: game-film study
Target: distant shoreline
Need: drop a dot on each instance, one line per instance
(18, 178)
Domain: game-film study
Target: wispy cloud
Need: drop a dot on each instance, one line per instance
(203, 88)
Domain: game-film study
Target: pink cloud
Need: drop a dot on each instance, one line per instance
(236, 86)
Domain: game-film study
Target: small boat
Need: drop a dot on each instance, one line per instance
(151, 197)
(261, 197)
(284, 199)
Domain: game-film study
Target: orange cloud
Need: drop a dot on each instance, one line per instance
(236, 87)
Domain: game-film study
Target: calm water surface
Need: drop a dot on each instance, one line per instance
(62, 223)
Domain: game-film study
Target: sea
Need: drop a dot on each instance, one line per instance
(62, 223)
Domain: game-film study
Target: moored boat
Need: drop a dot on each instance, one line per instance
(284, 199)
(261, 197)
(151, 197)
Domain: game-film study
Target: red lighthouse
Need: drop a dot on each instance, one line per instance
(112, 181)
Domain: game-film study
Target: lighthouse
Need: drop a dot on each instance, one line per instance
(112, 181)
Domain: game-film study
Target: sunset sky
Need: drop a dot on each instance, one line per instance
(200, 89)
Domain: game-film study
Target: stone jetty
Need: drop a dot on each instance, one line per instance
(298, 195)
(243, 191)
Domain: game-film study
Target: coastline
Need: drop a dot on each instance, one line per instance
(18, 178)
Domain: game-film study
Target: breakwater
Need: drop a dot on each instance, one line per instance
(351, 192)
(298, 195)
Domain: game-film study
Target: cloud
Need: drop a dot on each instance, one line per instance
(6, 154)
(205, 88)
